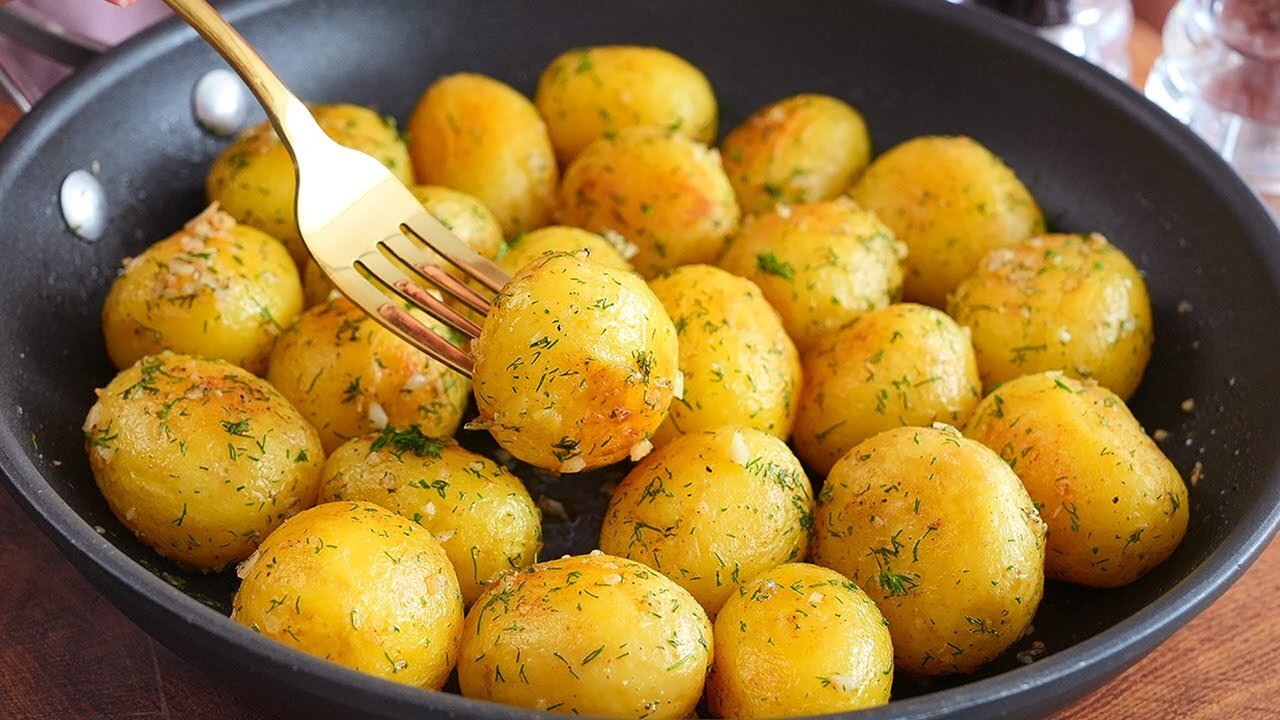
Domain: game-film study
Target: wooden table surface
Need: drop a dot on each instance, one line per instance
(67, 654)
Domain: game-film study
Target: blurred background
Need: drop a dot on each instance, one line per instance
(1213, 64)
(98, 25)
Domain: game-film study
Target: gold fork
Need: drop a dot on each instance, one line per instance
(369, 234)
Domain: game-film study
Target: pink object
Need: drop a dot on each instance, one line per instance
(100, 22)
(1252, 27)
(1251, 88)
(1220, 74)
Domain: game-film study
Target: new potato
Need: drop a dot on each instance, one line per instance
(1116, 507)
(215, 288)
(1058, 302)
(350, 376)
(472, 133)
(711, 510)
(940, 533)
(480, 514)
(799, 640)
(821, 265)
(360, 586)
(575, 366)
(805, 148)
(609, 250)
(906, 364)
(588, 635)
(738, 364)
(253, 179)
(951, 201)
(200, 459)
(665, 193)
(589, 93)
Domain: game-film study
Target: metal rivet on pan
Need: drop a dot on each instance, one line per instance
(220, 102)
(84, 204)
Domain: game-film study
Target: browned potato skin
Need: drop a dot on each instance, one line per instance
(343, 371)
(951, 201)
(463, 215)
(611, 251)
(906, 364)
(739, 365)
(475, 134)
(799, 640)
(665, 193)
(215, 289)
(1116, 507)
(360, 586)
(200, 459)
(821, 265)
(708, 520)
(587, 635)
(481, 514)
(253, 179)
(939, 532)
(805, 148)
(1073, 303)
(589, 93)
(575, 366)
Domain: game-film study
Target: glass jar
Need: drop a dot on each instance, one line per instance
(1220, 74)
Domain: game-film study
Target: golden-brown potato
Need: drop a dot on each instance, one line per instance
(951, 201)
(738, 364)
(215, 289)
(1116, 507)
(664, 192)
(1058, 302)
(589, 93)
(906, 364)
(799, 640)
(805, 148)
(200, 459)
(475, 134)
(711, 510)
(575, 366)
(253, 179)
(588, 635)
(464, 216)
(610, 250)
(821, 265)
(350, 376)
(481, 514)
(939, 532)
(357, 585)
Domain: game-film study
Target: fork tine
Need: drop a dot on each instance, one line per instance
(427, 263)
(426, 340)
(370, 297)
(437, 308)
(382, 271)
(452, 285)
(429, 230)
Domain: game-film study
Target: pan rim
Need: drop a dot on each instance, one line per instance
(1068, 673)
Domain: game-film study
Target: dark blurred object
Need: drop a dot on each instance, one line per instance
(1034, 12)
(1152, 12)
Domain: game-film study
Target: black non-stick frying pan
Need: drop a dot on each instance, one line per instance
(1095, 154)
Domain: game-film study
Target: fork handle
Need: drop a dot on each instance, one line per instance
(287, 113)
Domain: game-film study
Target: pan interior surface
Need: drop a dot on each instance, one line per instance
(1095, 156)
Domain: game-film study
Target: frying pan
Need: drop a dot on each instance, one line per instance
(1095, 154)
